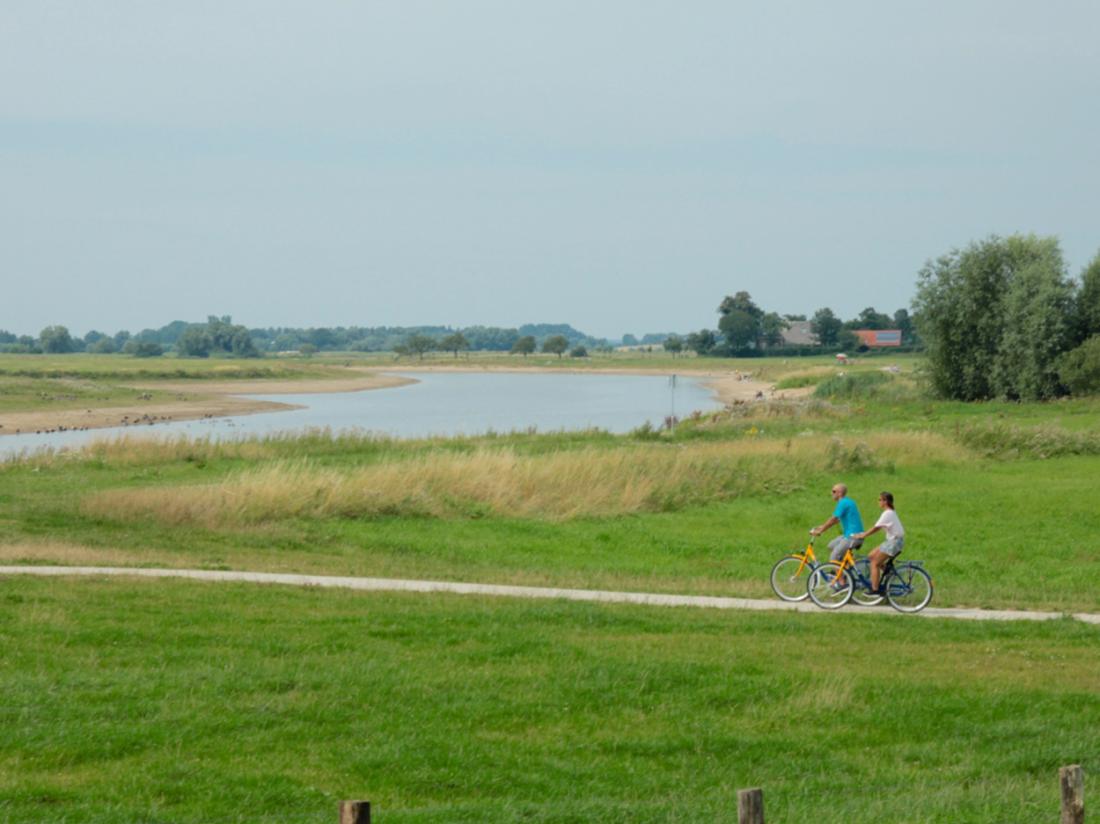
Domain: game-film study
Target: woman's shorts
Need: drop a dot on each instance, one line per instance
(893, 546)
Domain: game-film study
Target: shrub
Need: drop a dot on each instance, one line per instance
(1079, 369)
(852, 385)
(855, 458)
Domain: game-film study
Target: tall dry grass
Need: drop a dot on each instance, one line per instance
(501, 482)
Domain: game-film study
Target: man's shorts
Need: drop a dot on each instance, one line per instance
(893, 546)
(838, 546)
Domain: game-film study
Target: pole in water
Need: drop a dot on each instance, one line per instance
(672, 410)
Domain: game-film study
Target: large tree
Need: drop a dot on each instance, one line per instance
(1037, 320)
(995, 317)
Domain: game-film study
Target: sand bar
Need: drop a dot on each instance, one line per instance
(194, 400)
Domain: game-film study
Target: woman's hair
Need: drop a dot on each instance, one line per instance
(888, 497)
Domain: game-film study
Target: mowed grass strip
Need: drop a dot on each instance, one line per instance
(185, 702)
(583, 483)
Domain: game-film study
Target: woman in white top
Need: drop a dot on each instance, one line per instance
(895, 538)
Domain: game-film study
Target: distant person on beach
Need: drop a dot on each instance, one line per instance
(846, 513)
(895, 538)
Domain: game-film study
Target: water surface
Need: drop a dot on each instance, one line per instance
(448, 403)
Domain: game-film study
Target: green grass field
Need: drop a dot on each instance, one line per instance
(183, 702)
(168, 701)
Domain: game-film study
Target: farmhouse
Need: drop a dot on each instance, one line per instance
(798, 333)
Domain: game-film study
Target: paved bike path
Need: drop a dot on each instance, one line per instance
(601, 596)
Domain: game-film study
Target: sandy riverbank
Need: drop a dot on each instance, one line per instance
(194, 400)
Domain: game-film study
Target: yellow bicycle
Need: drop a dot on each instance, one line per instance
(791, 572)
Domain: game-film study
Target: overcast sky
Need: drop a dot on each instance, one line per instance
(616, 165)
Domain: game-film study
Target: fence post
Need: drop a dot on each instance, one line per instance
(354, 812)
(750, 806)
(1072, 779)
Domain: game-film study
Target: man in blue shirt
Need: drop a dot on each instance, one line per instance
(847, 515)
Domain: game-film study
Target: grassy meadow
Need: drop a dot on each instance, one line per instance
(173, 701)
(187, 702)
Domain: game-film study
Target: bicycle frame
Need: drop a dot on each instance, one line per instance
(806, 557)
(848, 565)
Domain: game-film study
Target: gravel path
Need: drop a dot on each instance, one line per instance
(649, 599)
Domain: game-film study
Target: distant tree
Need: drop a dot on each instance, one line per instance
(55, 340)
(103, 346)
(741, 301)
(524, 346)
(794, 317)
(849, 341)
(143, 348)
(120, 339)
(93, 337)
(555, 345)
(307, 349)
(740, 321)
(870, 319)
(8, 337)
(629, 340)
(578, 351)
(193, 343)
(242, 345)
(904, 324)
(772, 327)
(740, 329)
(701, 342)
(826, 327)
(454, 342)
(673, 345)
(419, 344)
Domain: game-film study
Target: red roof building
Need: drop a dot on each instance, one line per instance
(878, 337)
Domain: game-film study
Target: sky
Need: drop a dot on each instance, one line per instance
(620, 166)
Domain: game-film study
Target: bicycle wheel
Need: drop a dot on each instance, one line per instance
(861, 583)
(908, 588)
(829, 586)
(789, 577)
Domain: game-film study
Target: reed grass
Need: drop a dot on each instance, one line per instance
(502, 482)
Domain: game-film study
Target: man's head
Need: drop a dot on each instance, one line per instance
(839, 491)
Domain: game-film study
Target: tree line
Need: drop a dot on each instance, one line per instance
(745, 329)
(221, 337)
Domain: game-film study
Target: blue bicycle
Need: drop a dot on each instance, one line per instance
(907, 587)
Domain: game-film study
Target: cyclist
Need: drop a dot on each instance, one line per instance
(895, 538)
(846, 514)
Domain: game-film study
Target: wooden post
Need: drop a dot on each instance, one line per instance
(1072, 779)
(354, 812)
(750, 806)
